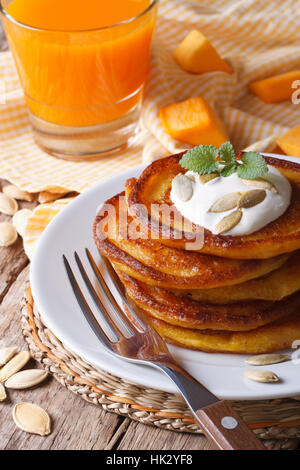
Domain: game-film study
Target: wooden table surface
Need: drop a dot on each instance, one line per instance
(76, 424)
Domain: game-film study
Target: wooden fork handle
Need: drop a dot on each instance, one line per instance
(219, 422)
(226, 429)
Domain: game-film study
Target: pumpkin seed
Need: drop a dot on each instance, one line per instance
(8, 234)
(46, 196)
(252, 198)
(192, 177)
(262, 184)
(266, 359)
(264, 376)
(26, 379)
(228, 222)
(6, 354)
(183, 187)
(14, 365)
(32, 418)
(13, 191)
(8, 205)
(206, 178)
(20, 220)
(226, 203)
(2, 393)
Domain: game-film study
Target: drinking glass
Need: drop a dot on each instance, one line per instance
(83, 88)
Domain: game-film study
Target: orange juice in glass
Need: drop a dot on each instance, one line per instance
(83, 66)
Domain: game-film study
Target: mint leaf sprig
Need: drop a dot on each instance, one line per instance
(203, 160)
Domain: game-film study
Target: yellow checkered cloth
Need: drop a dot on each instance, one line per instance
(259, 38)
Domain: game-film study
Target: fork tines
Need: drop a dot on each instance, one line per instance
(117, 324)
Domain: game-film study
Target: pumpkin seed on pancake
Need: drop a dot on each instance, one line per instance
(278, 237)
(261, 183)
(226, 203)
(251, 198)
(157, 264)
(228, 222)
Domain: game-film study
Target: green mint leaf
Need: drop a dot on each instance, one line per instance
(253, 166)
(227, 153)
(201, 159)
(229, 169)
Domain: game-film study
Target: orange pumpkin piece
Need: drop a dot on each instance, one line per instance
(290, 142)
(275, 89)
(196, 54)
(194, 122)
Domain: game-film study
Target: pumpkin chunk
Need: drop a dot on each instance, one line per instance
(196, 54)
(290, 142)
(194, 122)
(275, 89)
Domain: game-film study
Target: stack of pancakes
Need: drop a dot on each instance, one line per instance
(233, 294)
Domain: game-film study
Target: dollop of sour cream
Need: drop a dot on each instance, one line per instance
(196, 209)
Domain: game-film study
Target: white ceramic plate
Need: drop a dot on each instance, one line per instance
(72, 229)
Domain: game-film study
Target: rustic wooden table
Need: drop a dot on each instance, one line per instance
(76, 424)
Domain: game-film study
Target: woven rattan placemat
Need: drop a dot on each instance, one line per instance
(270, 419)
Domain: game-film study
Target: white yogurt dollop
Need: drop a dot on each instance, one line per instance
(254, 218)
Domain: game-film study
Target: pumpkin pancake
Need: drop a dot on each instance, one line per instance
(277, 285)
(153, 187)
(188, 313)
(161, 265)
(269, 338)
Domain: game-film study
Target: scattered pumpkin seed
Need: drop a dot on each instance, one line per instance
(206, 178)
(32, 418)
(266, 359)
(264, 376)
(26, 379)
(226, 203)
(6, 354)
(14, 365)
(20, 220)
(2, 393)
(228, 222)
(8, 234)
(8, 205)
(252, 198)
(183, 187)
(13, 191)
(262, 184)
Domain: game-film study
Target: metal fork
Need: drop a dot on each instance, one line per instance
(132, 338)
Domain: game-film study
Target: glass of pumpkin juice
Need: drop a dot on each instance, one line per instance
(82, 66)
